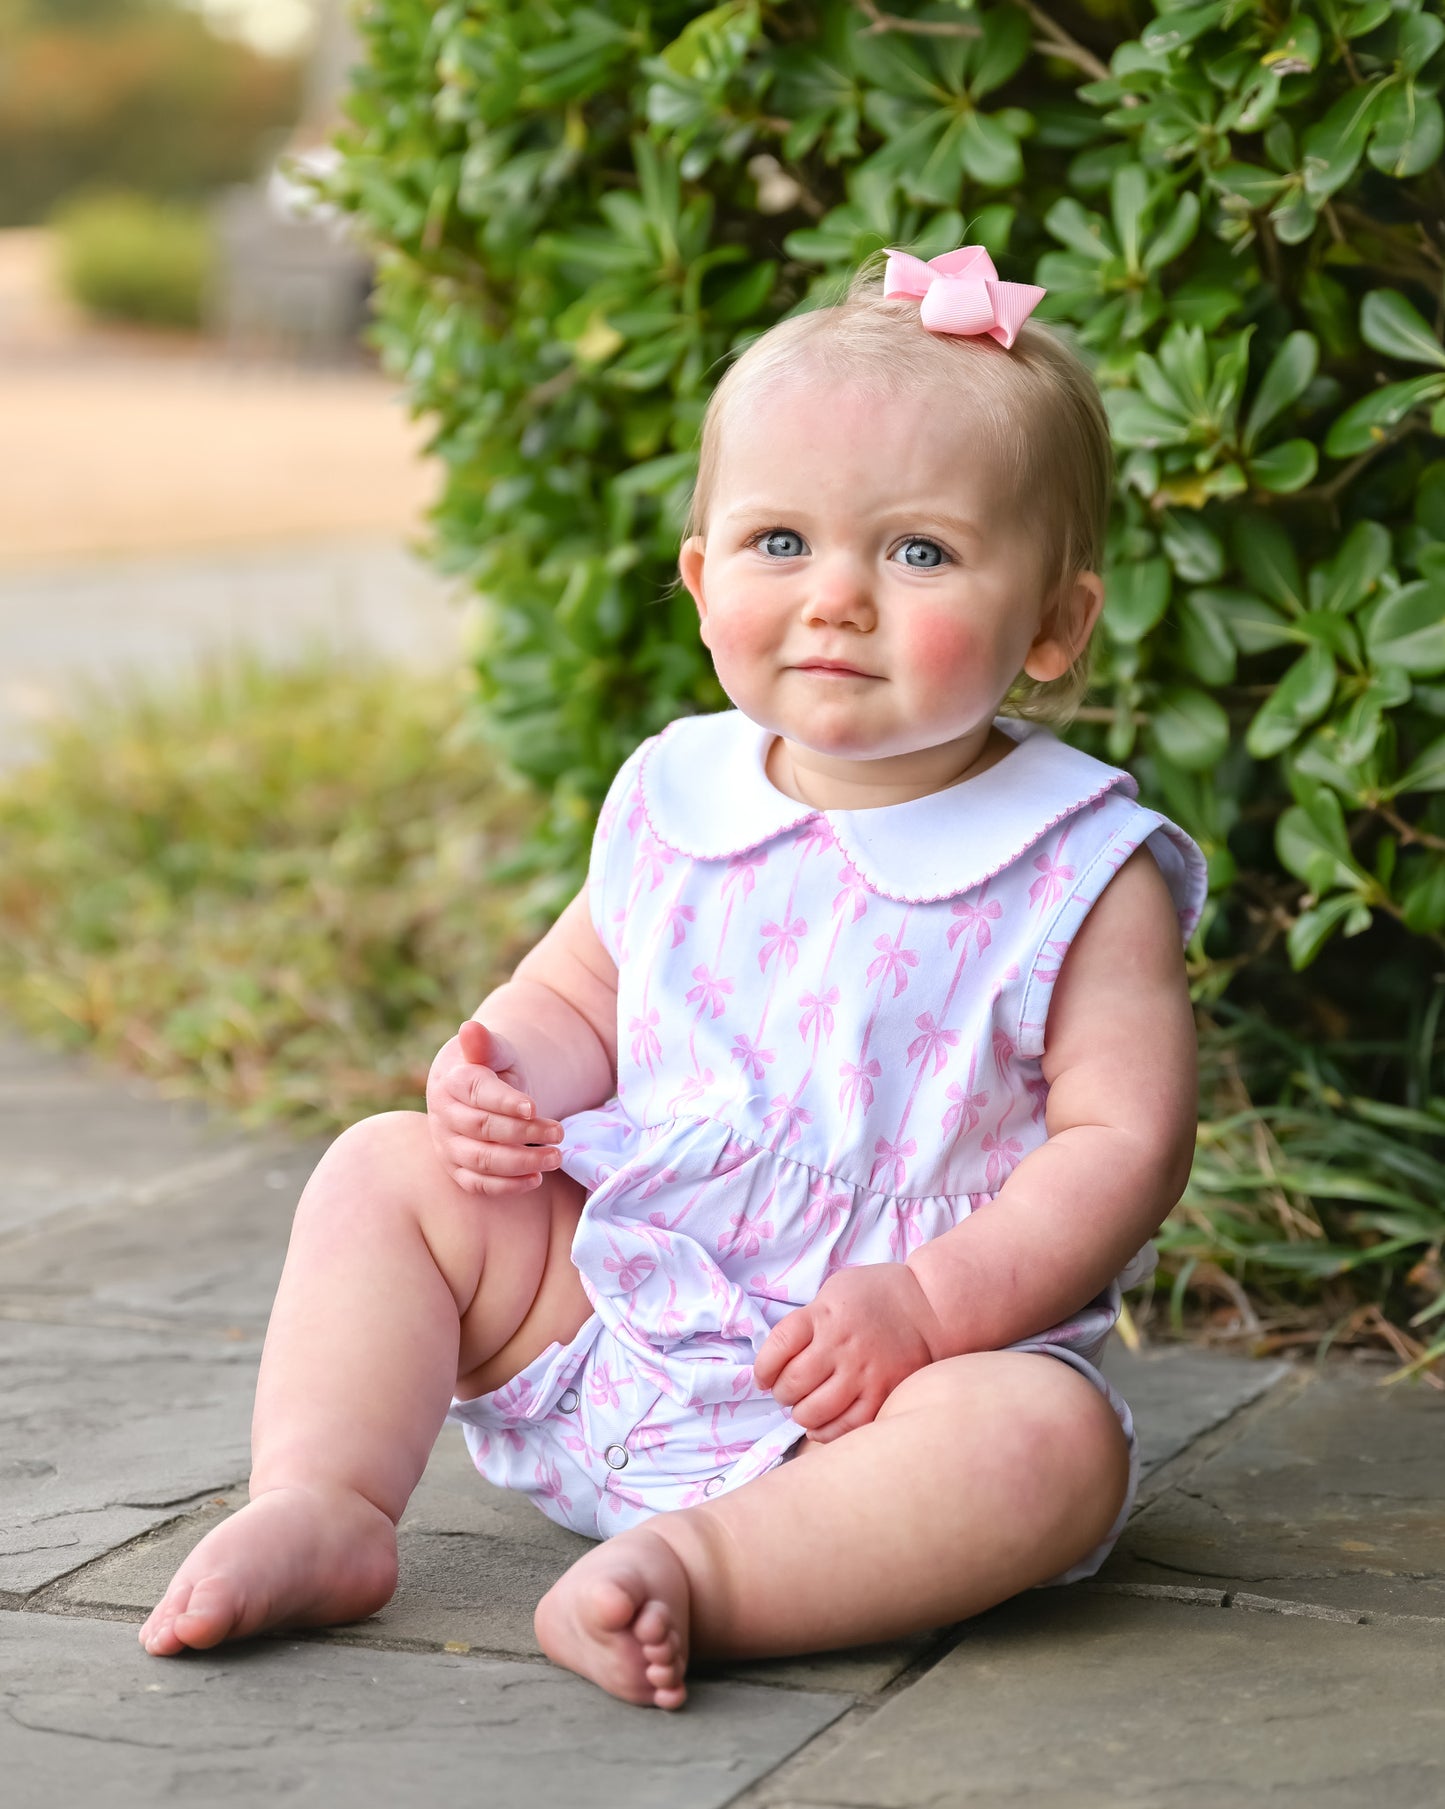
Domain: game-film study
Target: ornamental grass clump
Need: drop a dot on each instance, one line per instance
(277, 890)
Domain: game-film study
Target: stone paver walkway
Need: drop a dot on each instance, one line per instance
(1271, 1629)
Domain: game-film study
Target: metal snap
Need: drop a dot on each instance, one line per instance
(712, 1485)
(568, 1400)
(616, 1457)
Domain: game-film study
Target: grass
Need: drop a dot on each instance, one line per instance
(279, 890)
(1314, 1215)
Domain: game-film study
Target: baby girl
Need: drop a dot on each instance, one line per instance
(769, 1223)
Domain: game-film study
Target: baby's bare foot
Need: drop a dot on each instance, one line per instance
(289, 1558)
(620, 1617)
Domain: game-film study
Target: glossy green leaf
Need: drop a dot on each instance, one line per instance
(1266, 556)
(1195, 550)
(1175, 234)
(1391, 325)
(1295, 218)
(1334, 146)
(988, 153)
(1301, 697)
(1372, 419)
(1425, 774)
(1286, 379)
(1316, 853)
(1136, 421)
(1284, 468)
(1409, 133)
(1311, 930)
(1129, 195)
(1191, 729)
(1206, 649)
(1073, 225)
(1002, 50)
(1421, 34)
(1253, 626)
(1136, 596)
(1350, 578)
(1407, 629)
(1174, 29)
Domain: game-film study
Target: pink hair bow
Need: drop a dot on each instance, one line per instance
(960, 293)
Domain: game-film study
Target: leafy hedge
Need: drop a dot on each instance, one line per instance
(1240, 209)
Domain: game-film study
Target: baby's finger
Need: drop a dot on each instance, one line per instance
(807, 1371)
(480, 1089)
(858, 1413)
(501, 1158)
(499, 1127)
(489, 1186)
(792, 1334)
(832, 1396)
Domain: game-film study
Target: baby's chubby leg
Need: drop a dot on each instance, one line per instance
(399, 1289)
(981, 1476)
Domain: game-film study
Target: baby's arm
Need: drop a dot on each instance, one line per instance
(550, 1049)
(1121, 1061)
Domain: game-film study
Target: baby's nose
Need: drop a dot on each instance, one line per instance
(841, 592)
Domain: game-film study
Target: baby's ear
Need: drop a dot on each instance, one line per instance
(689, 566)
(1068, 622)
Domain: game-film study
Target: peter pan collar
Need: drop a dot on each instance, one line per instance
(707, 795)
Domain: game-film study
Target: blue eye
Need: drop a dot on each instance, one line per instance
(922, 555)
(769, 542)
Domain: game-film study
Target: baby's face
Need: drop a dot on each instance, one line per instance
(866, 587)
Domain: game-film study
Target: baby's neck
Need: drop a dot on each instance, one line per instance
(830, 784)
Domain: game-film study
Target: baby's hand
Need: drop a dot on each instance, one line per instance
(836, 1361)
(484, 1128)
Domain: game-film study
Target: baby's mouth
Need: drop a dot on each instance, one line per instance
(832, 669)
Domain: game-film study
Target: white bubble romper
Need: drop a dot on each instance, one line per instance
(829, 1032)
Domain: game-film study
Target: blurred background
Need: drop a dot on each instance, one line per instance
(199, 451)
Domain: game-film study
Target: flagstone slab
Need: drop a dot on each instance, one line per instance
(1063, 1699)
(1177, 1393)
(105, 1432)
(1333, 1496)
(206, 1253)
(76, 1138)
(90, 1718)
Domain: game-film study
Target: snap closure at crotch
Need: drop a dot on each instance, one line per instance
(568, 1400)
(616, 1457)
(712, 1485)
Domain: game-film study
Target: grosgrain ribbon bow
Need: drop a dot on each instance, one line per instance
(960, 293)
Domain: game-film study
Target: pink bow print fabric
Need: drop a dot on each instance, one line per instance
(960, 293)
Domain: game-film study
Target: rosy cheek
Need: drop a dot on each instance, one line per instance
(939, 642)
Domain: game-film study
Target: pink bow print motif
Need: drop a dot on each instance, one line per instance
(960, 293)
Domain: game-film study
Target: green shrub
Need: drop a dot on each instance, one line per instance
(584, 208)
(126, 257)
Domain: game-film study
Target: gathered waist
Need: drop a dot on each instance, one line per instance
(696, 1145)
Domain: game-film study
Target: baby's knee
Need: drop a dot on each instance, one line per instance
(376, 1152)
(369, 1171)
(1036, 1415)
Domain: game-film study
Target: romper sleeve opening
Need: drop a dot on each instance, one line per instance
(1183, 866)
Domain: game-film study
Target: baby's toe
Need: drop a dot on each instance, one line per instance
(213, 1611)
(653, 1626)
(668, 1696)
(158, 1634)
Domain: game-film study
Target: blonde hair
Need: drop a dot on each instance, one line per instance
(1037, 404)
